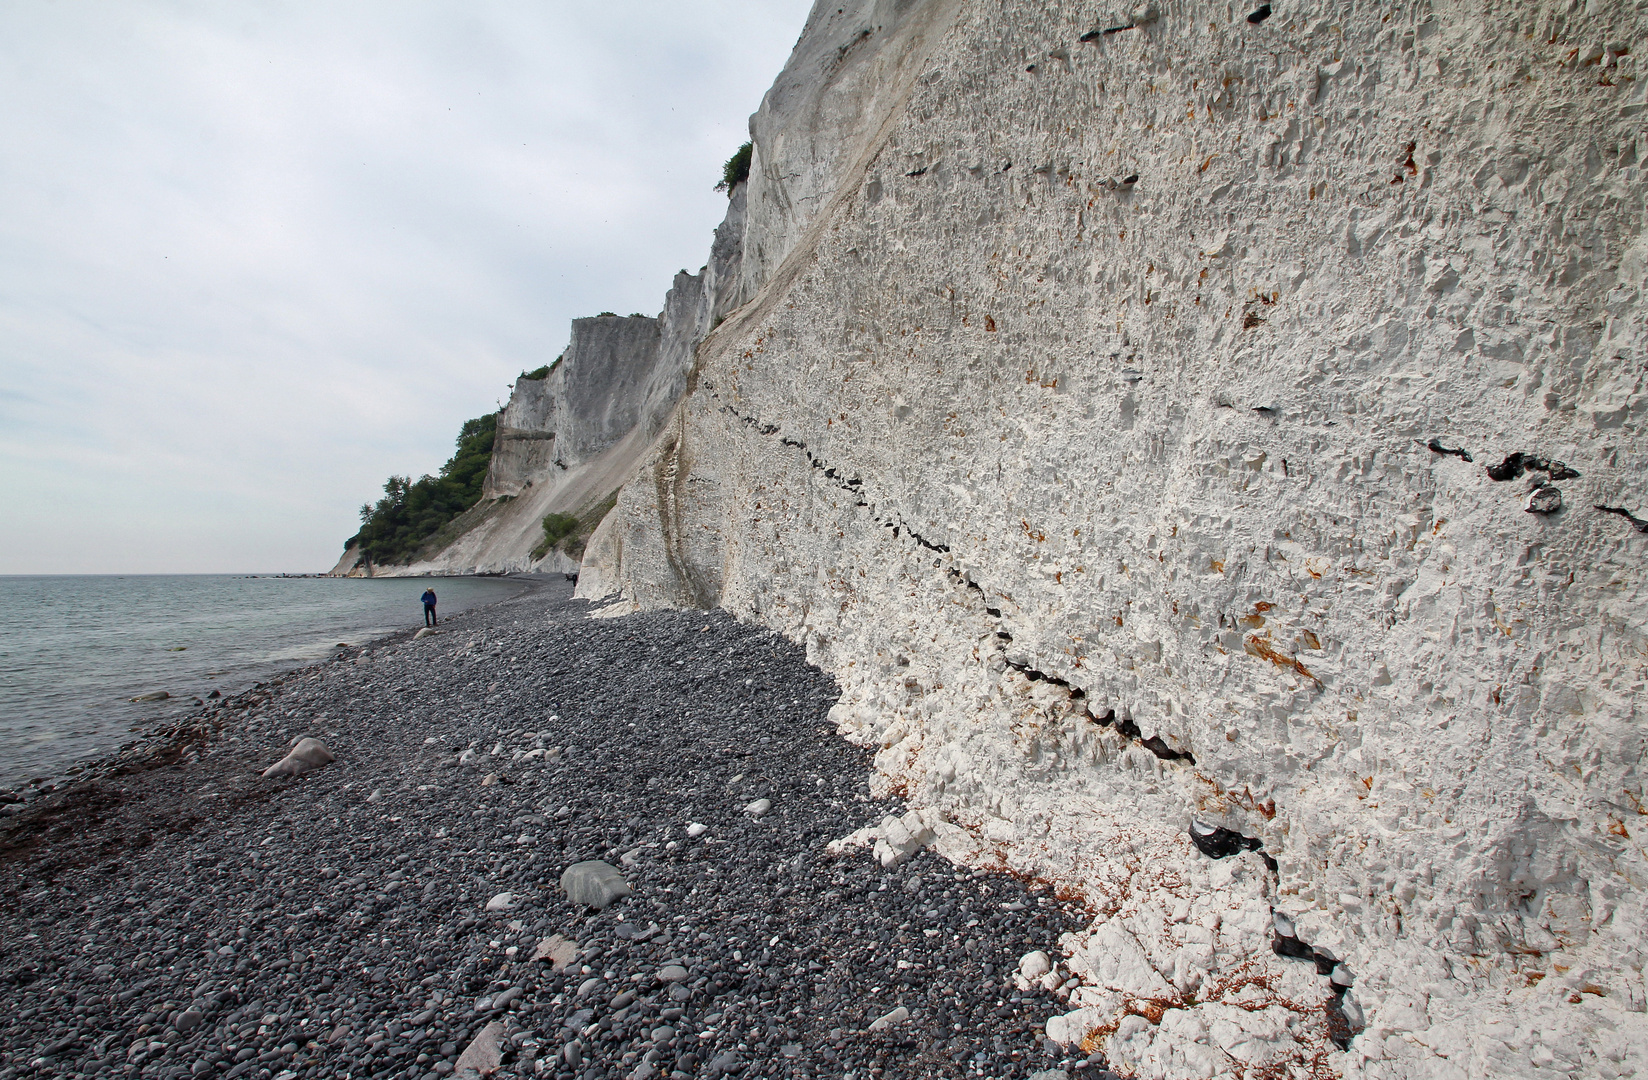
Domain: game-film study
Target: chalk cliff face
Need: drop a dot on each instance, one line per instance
(566, 442)
(590, 399)
(1180, 415)
(523, 450)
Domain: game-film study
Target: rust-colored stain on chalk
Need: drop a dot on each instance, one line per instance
(1255, 646)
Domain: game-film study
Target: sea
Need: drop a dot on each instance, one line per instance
(75, 651)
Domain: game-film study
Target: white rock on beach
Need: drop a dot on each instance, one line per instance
(502, 902)
(306, 755)
(1035, 964)
(882, 1023)
(559, 951)
(484, 1052)
(896, 839)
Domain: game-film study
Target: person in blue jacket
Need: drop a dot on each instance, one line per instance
(429, 618)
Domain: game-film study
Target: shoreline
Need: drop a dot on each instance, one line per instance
(165, 921)
(157, 735)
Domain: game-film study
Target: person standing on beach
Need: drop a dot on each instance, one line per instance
(429, 618)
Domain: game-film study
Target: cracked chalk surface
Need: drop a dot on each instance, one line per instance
(1295, 456)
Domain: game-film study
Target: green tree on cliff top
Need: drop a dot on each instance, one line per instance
(411, 512)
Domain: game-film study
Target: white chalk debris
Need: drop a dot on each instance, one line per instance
(896, 839)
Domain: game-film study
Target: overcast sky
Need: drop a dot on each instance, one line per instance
(255, 257)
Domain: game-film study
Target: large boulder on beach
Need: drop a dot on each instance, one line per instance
(306, 755)
(593, 883)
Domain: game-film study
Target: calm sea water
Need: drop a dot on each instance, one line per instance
(74, 651)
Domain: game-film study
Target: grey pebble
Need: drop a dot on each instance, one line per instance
(896, 1016)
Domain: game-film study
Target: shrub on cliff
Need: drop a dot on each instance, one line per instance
(557, 527)
(737, 169)
(412, 511)
(542, 373)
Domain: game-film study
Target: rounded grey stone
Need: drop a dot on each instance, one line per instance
(307, 754)
(593, 883)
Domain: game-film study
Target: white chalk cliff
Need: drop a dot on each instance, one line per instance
(1230, 418)
(566, 442)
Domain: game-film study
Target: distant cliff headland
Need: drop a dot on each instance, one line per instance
(1206, 446)
(528, 486)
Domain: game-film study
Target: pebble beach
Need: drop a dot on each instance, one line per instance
(403, 912)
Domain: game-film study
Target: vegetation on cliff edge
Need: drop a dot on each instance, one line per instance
(542, 373)
(737, 169)
(411, 512)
